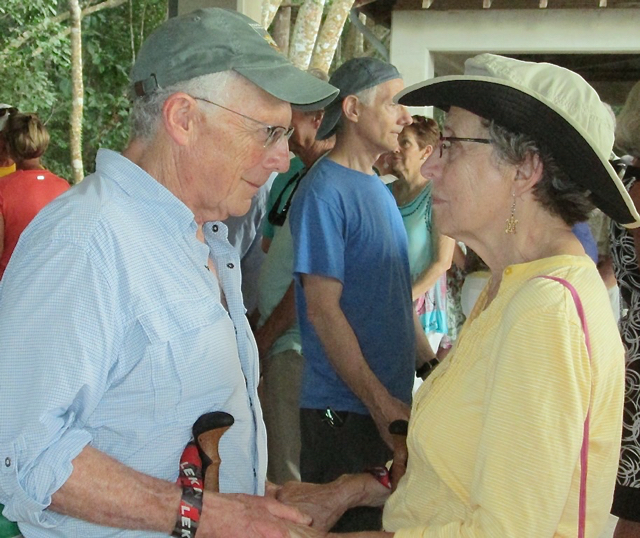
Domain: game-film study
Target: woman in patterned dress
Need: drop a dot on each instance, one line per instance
(430, 253)
(625, 250)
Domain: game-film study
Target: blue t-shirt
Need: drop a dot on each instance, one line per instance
(345, 225)
(582, 231)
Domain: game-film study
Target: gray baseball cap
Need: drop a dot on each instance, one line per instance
(351, 77)
(213, 40)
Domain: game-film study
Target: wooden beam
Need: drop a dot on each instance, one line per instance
(603, 3)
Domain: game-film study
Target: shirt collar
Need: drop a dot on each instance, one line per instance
(169, 210)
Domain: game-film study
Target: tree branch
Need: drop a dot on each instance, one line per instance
(38, 29)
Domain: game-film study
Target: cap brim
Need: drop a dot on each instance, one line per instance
(330, 120)
(290, 84)
(520, 111)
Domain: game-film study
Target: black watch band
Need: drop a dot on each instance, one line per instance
(426, 368)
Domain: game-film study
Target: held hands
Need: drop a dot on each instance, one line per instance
(250, 516)
(327, 502)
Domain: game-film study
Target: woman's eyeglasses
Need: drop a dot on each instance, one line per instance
(445, 142)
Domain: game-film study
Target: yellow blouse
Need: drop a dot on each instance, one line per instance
(495, 432)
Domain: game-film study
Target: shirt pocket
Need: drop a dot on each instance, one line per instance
(182, 338)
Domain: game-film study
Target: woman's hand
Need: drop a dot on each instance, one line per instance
(326, 503)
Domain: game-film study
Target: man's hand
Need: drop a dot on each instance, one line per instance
(389, 410)
(326, 503)
(247, 516)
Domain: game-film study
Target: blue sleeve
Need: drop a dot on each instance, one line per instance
(318, 232)
(58, 334)
(583, 232)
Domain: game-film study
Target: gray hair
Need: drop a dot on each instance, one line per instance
(146, 111)
(628, 128)
(366, 97)
(555, 191)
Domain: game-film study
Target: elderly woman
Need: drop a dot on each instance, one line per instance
(625, 248)
(516, 433)
(430, 252)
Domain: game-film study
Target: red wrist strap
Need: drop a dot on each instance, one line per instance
(381, 474)
(190, 479)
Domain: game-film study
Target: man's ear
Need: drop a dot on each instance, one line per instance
(178, 117)
(317, 118)
(351, 108)
(528, 174)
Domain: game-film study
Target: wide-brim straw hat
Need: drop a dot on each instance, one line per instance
(553, 105)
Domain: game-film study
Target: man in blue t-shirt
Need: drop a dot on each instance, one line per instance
(353, 288)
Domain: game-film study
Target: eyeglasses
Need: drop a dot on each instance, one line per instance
(445, 142)
(275, 133)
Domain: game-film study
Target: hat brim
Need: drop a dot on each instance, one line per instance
(520, 110)
(330, 120)
(288, 83)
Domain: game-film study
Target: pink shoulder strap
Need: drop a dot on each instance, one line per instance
(584, 451)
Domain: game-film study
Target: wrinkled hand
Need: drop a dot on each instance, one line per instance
(325, 503)
(247, 516)
(271, 490)
(393, 409)
(300, 531)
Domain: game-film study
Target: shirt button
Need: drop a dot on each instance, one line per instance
(230, 265)
(215, 227)
(508, 271)
(7, 462)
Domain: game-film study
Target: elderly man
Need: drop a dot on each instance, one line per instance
(121, 318)
(354, 288)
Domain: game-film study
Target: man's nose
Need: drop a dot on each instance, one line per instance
(405, 118)
(278, 159)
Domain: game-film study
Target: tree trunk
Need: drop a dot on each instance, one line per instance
(282, 29)
(305, 32)
(269, 10)
(330, 34)
(77, 91)
(354, 47)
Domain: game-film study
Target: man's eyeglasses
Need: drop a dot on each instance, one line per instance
(275, 133)
(445, 142)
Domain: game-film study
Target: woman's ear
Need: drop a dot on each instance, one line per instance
(427, 152)
(351, 108)
(528, 174)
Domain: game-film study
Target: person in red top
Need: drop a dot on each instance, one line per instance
(27, 190)
(7, 166)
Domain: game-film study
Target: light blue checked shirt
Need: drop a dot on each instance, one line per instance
(112, 334)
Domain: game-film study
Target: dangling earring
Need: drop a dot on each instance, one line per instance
(512, 221)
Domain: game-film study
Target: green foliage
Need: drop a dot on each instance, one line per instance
(36, 73)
